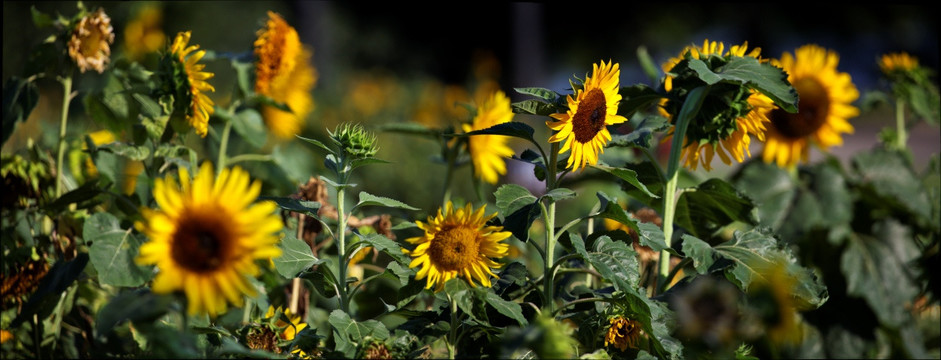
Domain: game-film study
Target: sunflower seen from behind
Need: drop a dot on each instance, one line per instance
(206, 236)
(185, 75)
(488, 151)
(730, 115)
(826, 97)
(457, 243)
(283, 72)
(583, 128)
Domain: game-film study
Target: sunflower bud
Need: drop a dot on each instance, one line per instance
(355, 141)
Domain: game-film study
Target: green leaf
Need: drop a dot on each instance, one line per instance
(764, 77)
(87, 191)
(40, 19)
(322, 279)
(637, 98)
(148, 107)
(507, 308)
(534, 107)
(704, 72)
(296, 256)
(47, 294)
(127, 150)
(889, 177)
(700, 251)
(512, 197)
(385, 245)
(542, 93)
(651, 236)
(616, 261)
(19, 99)
(137, 305)
(656, 320)
(367, 199)
(712, 205)
(628, 176)
(512, 128)
(559, 194)
(295, 205)
(410, 128)
(250, 126)
(688, 112)
(318, 144)
(610, 209)
(643, 132)
(771, 188)
(113, 250)
(349, 334)
(519, 221)
(877, 269)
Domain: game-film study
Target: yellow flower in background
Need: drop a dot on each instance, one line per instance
(5, 335)
(283, 72)
(198, 105)
(206, 236)
(144, 34)
(290, 329)
(132, 168)
(457, 243)
(90, 43)
(623, 333)
(772, 296)
(583, 126)
(487, 151)
(732, 139)
(825, 106)
(902, 61)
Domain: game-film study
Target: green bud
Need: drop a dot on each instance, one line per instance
(355, 141)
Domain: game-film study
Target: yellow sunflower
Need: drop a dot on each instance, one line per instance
(772, 296)
(825, 106)
(199, 106)
(457, 243)
(623, 333)
(90, 43)
(283, 73)
(732, 139)
(143, 34)
(583, 126)
(290, 329)
(487, 151)
(206, 236)
(902, 61)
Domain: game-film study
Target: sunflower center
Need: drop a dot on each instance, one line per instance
(590, 116)
(454, 248)
(812, 111)
(202, 242)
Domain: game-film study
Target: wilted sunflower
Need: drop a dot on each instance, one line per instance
(902, 61)
(583, 126)
(725, 129)
(90, 44)
(283, 73)
(457, 243)
(623, 333)
(206, 236)
(488, 151)
(143, 34)
(823, 111)
(198, 105)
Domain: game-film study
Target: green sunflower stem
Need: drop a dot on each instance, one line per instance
(549, 273)
(223, 145)
(66, 99)
(669, 211)
(341, 239)
(452, 333)
(900, 132)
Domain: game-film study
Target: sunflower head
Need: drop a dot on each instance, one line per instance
(897, 62)
(583, 127)
(206, 235)
(771, 300)
(457, 243)
(90, 41)
(290, 328)
(487, 151)
(730, 114)
(185, 79)
(826, 97)
(276, 51)
(623, 333)
(355, 141)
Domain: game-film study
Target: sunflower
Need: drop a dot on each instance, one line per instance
(290, 329)
(206, 237)
(722, 129)
(583, 126)
(198, 105)
(771, 298)
(143, 34)
(457, 243)
(623, 333)
(283, 73)
(90, 44)
(823, 111)
(488, 151)
(890, 63)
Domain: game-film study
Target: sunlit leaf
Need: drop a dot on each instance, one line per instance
(113, 250)
(296, 256)
(367, 199)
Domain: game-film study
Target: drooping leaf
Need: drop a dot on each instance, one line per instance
(700, 251)
(651, 236)
(317, 143)
(629, 176)
(367, 199)
(511, 128)
(113, 250)
(610, 209)
(542, 93)
(712, 205)
(507, 308)
(295, 205)
(534, 107)
(296, 256)
(19, 99)
(512, 197)
(559, 194)
(746, 70)
(616, 261)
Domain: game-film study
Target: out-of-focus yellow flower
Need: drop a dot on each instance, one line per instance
(901, 61)
(623, 333)
(284, 73)
(290, 329)
(90, 44)
(144, 34)
(488, 151)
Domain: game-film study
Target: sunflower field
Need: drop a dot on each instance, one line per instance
(321, 180)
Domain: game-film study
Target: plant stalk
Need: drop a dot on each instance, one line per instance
(223, 145)
(66, 99)
(341, 238)
(900, 131)
(669, 211)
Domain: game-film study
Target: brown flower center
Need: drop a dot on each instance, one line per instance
(202, 242)
(590, 116)
(454, 248)
(812, 111)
